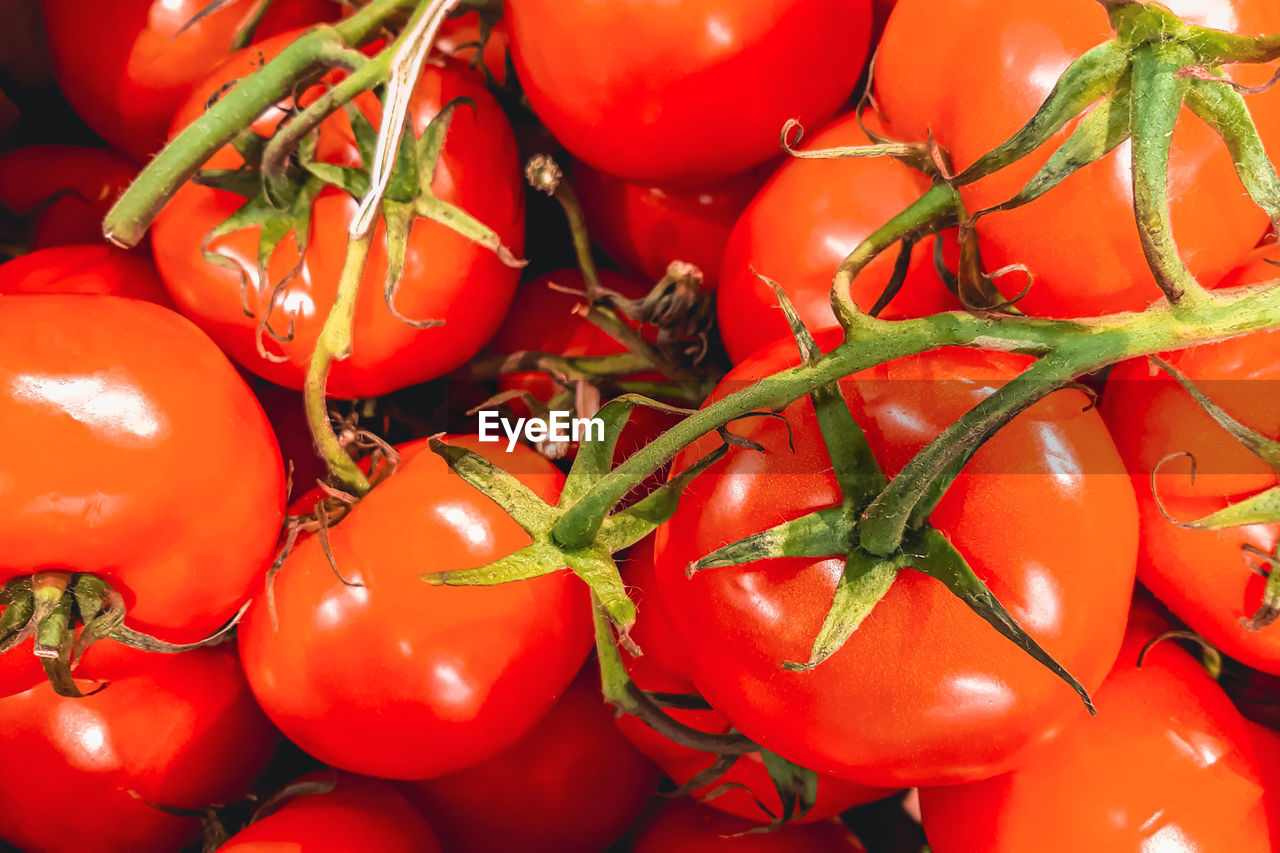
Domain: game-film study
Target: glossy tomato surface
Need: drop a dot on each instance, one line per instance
(186, 734)
(64, 191)
(571, 785)
(344, 813)
(972, 72)
(800, 228)
(1168, 764)
(89, 268)
(125, 73)
(163, 480)
(686, 827)
(461, 37)
(451, 675)
(924, 691)
(663, 92)
(447, 277)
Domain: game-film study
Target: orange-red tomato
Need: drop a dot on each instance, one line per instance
(686, 827)
(89, 268)
(68, 189)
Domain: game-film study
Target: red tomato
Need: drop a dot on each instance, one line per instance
(125, 73)
(645, 228)
(924, 691)
(1203, 576)
(974, 71)
(451, 675)
(800, 228)
(662, 92)
(185, 734)
(1266, 743)
(1166, 765)
(94, 268)
(662, 670)
(357, 814)
(686, 827)
(73, 188)
(128, 462)
(447, 277)
(571, 784)
(460, 36)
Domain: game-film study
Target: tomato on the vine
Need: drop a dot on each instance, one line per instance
(126, 72)
(662, 92)
(687, 827)
(801, 226)
(924, 692)
(344, 813)
(571, 784)
(1168, 764)
(89, 268)
(63, 190)
(447, 277)
(373, 670)
(98, 773)
(972, 72)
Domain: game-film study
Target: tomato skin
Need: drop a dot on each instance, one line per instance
(687, 827)
(125, 73)
(800, 227)
(87, 182)
(1168, 761)
(645, 227)
(453, 674)
(571, 784)
(1203, 576)
(446, 276)
(661, 669)
(91, 268)
(184, 734)
(924, 691)
(663, 93)
(974, 71)
(357, 814)
(127, 461)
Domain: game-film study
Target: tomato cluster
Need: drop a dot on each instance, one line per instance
(265, 578)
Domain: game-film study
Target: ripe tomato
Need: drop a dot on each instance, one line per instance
(1167, 764)
(356, 814)
(447, 277)
(1203, 576)
(91, 268)
(974, 71)
(571, 784)
(127, 463)
(68, 189)
(661, 669)
(799, 229)
(125, 73)
(452, 675)
(644, 228)
(686, 827)
(924, 691)
(662, 92)
(459, 37)
(184, 734)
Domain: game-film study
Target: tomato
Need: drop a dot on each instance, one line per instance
(1166, 765)
(285, 410)
(460, 37)
(125, 73)
(447, 277)
(662, 92)
(354, 814)
(571, 784)
(68, 189)
(686, 827)
(135, 434)
(1203, 576)
(799, 229)
(185, 734)
(974, 71)
(645, 227)
(924, 691)
(1266, 743)
(661, 669)
(451, 675)
(93, 268)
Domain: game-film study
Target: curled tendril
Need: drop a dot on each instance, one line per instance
(1155, 489)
